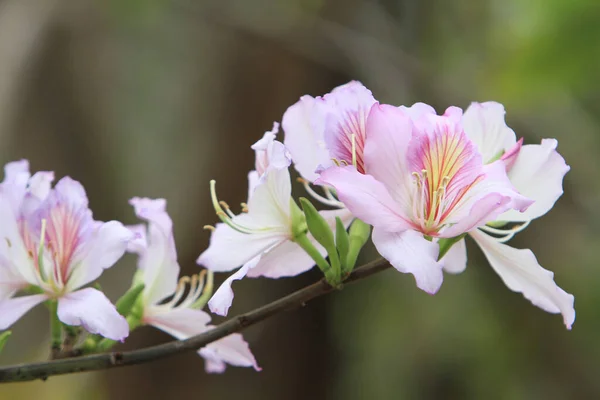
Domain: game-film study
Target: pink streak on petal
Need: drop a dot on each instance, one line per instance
(511, 155)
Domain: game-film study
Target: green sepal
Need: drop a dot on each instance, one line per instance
(446, 243)
(342, 241)
(358, 236)
(4, 338)
(299, 227)
(128, 300)
(321, 231)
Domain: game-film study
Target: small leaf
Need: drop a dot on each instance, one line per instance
(446, 243)
(341, 240)
(4, 338)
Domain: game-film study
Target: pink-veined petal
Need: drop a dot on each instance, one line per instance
(455, 260)
(521, 272)
(389, 133)
(417, 110)
(484, 124)
(221, 300)
(139, 242)
(367, 198)
(106, 246)
(537, 173)
(410, 252)
(232, 350)
(40, 185)
(13, 309)
(485, 201)
(158, 262)
(91, 309)
(304, 124)
(347, 109)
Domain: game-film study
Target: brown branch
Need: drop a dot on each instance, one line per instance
(43, 370)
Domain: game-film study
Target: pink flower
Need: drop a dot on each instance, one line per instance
(180, 317)
(260, 240)
(424, 179)
(320, 129)
(51, 242)
(536, 171)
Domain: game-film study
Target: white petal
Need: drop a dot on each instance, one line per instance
(232, 350)
(221, 300)
(269, 205)
(185, 323)
(538, 174)
(107, 244)
(484, 124)
(410, 252)
(521, 273)
(13, 309)
(158, 262)
(91, 309)
(304, 124)
(229, 249)
(455, 260)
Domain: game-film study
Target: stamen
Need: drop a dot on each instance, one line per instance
(223, 216)
(344, 163)
(40, 255)
(336, 162)
(244, 207)
(227, 209)
(506, 234)
(209, 228)
(318, 197)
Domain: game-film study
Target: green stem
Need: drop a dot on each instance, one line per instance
(55, 327)
(330, 274)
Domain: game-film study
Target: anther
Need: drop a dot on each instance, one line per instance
(209, 228)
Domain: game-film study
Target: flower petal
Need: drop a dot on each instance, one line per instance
(232, 350)
(455, 260)
(270, 153)
(521, 273)
(347, 109)
(181, 323)
(91, 309)
(106, 246)
(389, 133)
(184, 323)
(538, 173)
(289, 259)
(221, 300)
(13, 309)
(229, 249)
(14, 185)
(484, 124)
(159, 260)
(304, 124)
(367, 198)
(410, 252)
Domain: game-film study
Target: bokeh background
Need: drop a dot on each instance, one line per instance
(155, 97)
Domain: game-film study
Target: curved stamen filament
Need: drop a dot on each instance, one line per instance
(195, 291)
(506, 234)
(226, 216)
(327, 201)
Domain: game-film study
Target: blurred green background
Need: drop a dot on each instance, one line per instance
(155, 97)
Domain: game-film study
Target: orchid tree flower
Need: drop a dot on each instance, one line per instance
(322, 131)
(181, 316)
(51, 246)
(424, 180)
(264, 239)
(536, 171)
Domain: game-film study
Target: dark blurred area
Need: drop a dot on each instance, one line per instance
(155, 98)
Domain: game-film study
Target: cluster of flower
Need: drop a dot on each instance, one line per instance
(420, 180)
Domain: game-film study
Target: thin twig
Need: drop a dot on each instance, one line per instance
(43, 370)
